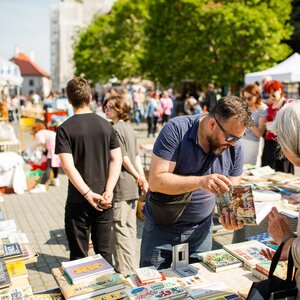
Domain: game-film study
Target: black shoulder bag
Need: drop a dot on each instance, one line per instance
(167, 209)
(274, 287)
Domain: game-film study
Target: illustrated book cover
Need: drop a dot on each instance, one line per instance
(12, 250)
(248, 252)
(80, 272)
(167, 289)
(211, 291)
(4, 277)
(219, 260)
(140, 283)
(264, 268)
(190, 281)
(19, 289)
(17, 269)
(264, 238)
(86, 290)
(239, 201)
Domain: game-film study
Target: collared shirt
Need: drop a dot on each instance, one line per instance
(178, 142)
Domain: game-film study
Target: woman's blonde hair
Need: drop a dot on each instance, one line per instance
(286, 127)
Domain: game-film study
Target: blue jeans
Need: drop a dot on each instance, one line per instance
(157, 241)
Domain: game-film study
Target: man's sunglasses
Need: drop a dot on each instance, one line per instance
(228, 137)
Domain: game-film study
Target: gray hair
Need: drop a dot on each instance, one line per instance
(286, 126)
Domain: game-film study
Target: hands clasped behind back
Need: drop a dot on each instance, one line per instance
(97, 201)
(215, 183)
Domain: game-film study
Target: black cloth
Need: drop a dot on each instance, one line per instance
(81, 220)
(46, 175)
(89, 138)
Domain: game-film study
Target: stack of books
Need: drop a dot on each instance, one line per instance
(148, 275)
(88, 277)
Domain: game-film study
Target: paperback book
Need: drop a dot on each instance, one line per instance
(4, 277)
(264, 268)
(219, 260)
(86, 290)
(16, 269)
(248, 252)
(19, 289)
(140, 283)
(12, 250)
(160, 290)
(264, 238)
(147, 274)
(83, 271)
(238, 201)
(190, 281)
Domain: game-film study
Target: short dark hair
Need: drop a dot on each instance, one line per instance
(78, 92)
(119, 105)
(232, 106)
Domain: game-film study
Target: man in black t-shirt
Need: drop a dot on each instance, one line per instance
(91, 158)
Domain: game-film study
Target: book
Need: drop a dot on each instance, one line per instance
(17, 269)
(140, 283)
(65, 264)
(4, 277)
(86, 290)
(16, 237)
(281, 177)
(12, 250)
(190, 281)
(147, 274)
(29, 254)
(120, 294)
(160, 290)
(219, 260)
(280, 271)
(8, 225)
(19, 289)
(248, 252)
(264, 238)
(83, 271)
(266, 195)
(238, 201)
(53, 294)
(217, 290)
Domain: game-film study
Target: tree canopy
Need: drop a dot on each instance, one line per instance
(171, 40)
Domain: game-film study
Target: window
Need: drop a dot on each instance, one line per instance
(31, 82)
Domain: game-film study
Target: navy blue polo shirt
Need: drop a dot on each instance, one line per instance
(178, 142)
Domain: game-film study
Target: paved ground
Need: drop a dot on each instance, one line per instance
(41, 218)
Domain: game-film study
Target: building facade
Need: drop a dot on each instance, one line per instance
(67, 17)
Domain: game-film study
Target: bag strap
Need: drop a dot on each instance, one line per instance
(275, 260)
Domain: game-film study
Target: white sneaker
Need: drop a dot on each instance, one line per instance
(40, 188)
(56, 182)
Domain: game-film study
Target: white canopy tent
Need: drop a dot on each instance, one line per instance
(287, 71)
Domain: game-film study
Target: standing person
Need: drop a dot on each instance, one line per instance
(210, 99)
(152, 113)
(286, 126)
(166, 104)
(91, 158)
(198, 154)
(271, 154)
(126, 191)
(252, 141)
(46, 138)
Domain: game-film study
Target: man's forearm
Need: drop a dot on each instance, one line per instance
(173, 184)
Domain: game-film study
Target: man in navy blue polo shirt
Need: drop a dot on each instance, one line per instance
(179, 154)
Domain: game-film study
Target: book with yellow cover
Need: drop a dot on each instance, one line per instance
(17, 269)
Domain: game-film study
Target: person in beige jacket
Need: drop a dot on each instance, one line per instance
(286, 126)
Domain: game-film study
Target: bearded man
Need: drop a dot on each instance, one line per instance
(198, 155)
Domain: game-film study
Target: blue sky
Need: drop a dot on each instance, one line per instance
(26, 24)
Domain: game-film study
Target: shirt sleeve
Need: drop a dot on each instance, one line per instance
(238, 161)
(168, 142)
(63, 143)
(114, 143)
(40, 138)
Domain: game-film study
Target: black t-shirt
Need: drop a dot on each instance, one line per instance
(89, 138)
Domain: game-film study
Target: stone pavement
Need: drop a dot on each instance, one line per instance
(41, 217)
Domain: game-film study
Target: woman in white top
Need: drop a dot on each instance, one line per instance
(252, 141)
(286, 127)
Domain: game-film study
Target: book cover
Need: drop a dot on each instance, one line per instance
(264, 238)
(4, 277)
(29, 254)
(83, 271)
(20, 289)
(211, 291)
(140, 283)
(12, 250)
(248, 252)
(65, 264)
(8, 225)
(17, 237)
(86, 290)
(190, 281)
(147, 274)
(219, 260)
(238, 201)
(16, 269)
(53, 294)
(160, 290)
(280, 271)
(120, 294)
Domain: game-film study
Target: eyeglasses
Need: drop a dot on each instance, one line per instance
(108, 107)
(249, 98)
(228, 137)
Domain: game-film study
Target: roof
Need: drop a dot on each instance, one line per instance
(28, 67)
(286, 71)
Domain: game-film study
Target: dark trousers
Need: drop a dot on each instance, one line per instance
(81, 220)
(152, 125)
(46, 175)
